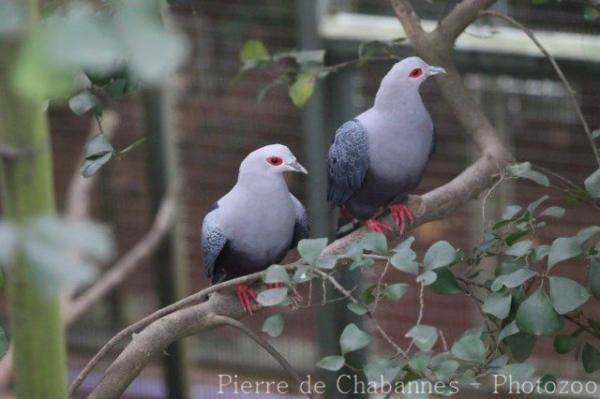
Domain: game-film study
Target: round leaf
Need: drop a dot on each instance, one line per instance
(353, 339)
(469, 348)
(273, 325)
(439, 254)
(592, 184)
(563, 248)
(590, 358)
(382, 371)
(423, 336)
(566, 294)
(537, 316)
(272, 297)
(395, 291)
(331, 363)
(310, 250)
(497, 304)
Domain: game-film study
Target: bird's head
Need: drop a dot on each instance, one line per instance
(410, 72)
(271, 159)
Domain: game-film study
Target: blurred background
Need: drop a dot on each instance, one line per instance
(215, 122)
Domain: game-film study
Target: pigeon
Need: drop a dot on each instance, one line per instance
(378, 157)
(255, 224)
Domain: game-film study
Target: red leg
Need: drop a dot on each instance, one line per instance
(246, 296)
(275, 285)
(377, 226)
(402, 215)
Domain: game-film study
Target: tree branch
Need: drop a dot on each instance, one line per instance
(465, 13)
(559, 72)
(178, 320)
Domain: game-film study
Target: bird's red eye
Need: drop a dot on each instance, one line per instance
(415, 73)
(275, 161)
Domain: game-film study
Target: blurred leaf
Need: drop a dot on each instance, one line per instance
(596, 134)
(554, 211)
(586, 233)
(439, 254)
(353, 339)
(302, 274)
(446, 370)
(97, 152)
(272, 296)
(523, 170)
(563, 248)
(395, 291)
(357, 308)
(327, 262)
(508, 330)
(514, 279)
(3, 339)
(520, 248)
(367, 295)
(497, 304)
(535, 204)
(331, 363)
(469, 348)
(510, 212)
(302, 89)
(423, 336)
(445, 282)
(566, 294)
(273, 325)
(254, 50)
(521, 345)
(536, 315)
(592, 184)
(382, 371)
(427, 278)
(404, 258)
(303, 57)
(565, 343)
(419, 361)
(541, 252)
(310, 249)
(591, 13)
(83, 102)
(590, 358)
(12, 17)
(276, 274)
(374, 242)
(594, 276)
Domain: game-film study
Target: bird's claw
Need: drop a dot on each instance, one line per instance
(402, 215)
(377, 226)
(246, 296)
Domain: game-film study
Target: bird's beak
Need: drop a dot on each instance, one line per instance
(435, 70)
(295, 166)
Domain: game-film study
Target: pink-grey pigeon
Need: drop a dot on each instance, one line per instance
(380, 156)
(255, 224)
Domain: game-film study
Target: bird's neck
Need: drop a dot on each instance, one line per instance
(259, 183)
(393, 99)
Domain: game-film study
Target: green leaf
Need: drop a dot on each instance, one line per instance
(276, 274)
(596, 134)
(592, 184)
(445, 282)
(586, 233)
(469, 348)
(83, 102)
(510, 212)
(563, 248)
(423, 336)
(427, 278)
(331, 363)
(327, 262)
(395, 291)
(97, 152)
(594, 276)
(535, 204)
(404, 258)
(536, 315)
(514, 279)
(497, 304)
(508, 330)
(565, 343)
(302, 89)
(567, 295)
(273, 325)
(518, 372)
(3, 343)
(303, 57)
(523, 170)
(254, 50)
(302, 274)
(353, 339)
(310, 249)
(521, 345)
(590, 358)
(382, 371)
(374, 242)
(554, 211)
(367, 295)
(439, 254)
(419, 361)
(12, 17)
(541, 252)
(357, 308)
(446, 370)
(272, 296)
(520, 248)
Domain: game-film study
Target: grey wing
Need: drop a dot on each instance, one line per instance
(348, 162)
(213, 241)
(301, 227)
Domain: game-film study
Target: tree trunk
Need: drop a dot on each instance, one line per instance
(27, 191)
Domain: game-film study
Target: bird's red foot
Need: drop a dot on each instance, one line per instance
(246, 296)
(275, 285)
(377, 226)
(402, 215)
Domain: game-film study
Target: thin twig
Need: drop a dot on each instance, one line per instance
(558, 71)
(267, 346)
